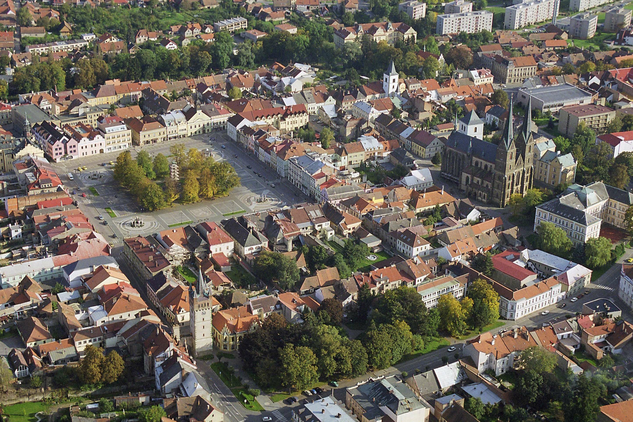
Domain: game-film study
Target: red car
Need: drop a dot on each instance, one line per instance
(83, 194)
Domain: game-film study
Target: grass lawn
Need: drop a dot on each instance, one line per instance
(93, 191)
(239, 276)
(601, 17)
(184, 223)
(228, 214)
(247, 400)
(226, 375)
(581, 356)
(629, 6)
(187, 274)
(597, 273)
(486, 328)
(110, 212)
(597, 41)
(283, 396)
(337, 248)
(8, 332)
(509, 379)
(24, 412)
(225, 355)
(429, 346)
(496, 9)
(367, 263)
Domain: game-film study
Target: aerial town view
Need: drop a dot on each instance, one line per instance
(316, 211)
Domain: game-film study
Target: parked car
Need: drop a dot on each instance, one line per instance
(562, 305)
(544, 312)
(451, 349)
(334, 383)
(319, 390)
(267, 419)
(307, 393)
(313, 391)
(573, 299)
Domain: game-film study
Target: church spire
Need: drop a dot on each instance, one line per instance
(508, 132)
(527, 123)
(202, 287)
(392, 69)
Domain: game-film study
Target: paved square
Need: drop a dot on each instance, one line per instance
(174, 218)
(228, 207)
(203, 213)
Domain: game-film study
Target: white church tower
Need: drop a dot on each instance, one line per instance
(200, 318)
(471, 125)
(390, 81)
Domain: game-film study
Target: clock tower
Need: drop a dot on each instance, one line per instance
(201, 318)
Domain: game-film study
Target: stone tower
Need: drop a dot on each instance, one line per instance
(390, 81)
(200, 318)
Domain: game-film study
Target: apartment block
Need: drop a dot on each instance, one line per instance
(583, 26)
(530, 12)
(231, 25)
(414, 9)
(616, 18)
(510, 70)
(469, 22)
(595, 116)
(117, 135)
(580, 5)
(458, 6)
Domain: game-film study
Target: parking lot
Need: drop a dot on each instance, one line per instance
(112, 211)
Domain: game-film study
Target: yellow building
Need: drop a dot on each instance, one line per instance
(230, 325)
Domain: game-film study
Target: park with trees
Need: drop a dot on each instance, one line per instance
(148, 180)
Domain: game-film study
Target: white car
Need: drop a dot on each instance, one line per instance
(544, 312)
(451, 349)
(267, 419)
(573, 299)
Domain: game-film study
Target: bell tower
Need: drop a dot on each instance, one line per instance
(390, 81)
(201, 318)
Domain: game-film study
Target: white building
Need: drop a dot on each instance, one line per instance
(481, 76)
(469, 22)
(390, 81)
(580, 5)
(458, 6)
(498, 352)
(625, 292)
(364, 110)
(519, 303)
(411, 244)
(530, 12)
(471, 125)
(116, 134)
(432, 290)
(418, 179)
(414, 9)
(583, 26)
(618, 141)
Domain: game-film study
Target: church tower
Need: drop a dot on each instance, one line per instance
(471, 125)
(390, 81)
(505, 163)
(200, 318)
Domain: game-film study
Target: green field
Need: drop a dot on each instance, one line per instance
(239, 276)
(247, 400)
(489, 327)
(496, 9)
(629, 6)
(594, 42)
(228, 214)
(93, 191)
(187, 274)
(429, 346)
(110, 212)
(24, 412)
(226, 375)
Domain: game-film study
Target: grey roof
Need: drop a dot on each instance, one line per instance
(426, 383)
(159, 280)
(387, 392)
(556, 94)
(241, 234)
(471, 119)
(468, 144)
(555, 206)
(496, 111)
(392, 69)
(32, 112)
(567, 160)
(600, 306)
(619, 195)
(171, 371)
(91, 263)
(63, 354)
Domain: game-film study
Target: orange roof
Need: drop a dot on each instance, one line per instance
(487, 344)
(486, 226)
(618, 412)
(177, 300)
(124, 303)
(547, 338)
(235, 320)
(55, 345)
(102, 273)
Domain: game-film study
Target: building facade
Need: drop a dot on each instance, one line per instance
(616, 18)
(458, 6)
(625, 290)
(580, 5)
(414, 9)
(510, 70)
(469, 22)
(530, 12)
(378, 31)
(595, 116)
(583, 26)
(488, 172)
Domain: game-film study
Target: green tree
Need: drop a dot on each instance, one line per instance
(537, 359)
(106, 405)
(583, 405)
(171, 190)
(359, 358)
(317, 256)
(151, 414)
(619, 176)
(500, 97)
(24, 17)
(273, 266)
(4, 88)
(483, 263)
(298, 367)
(339, 262)
(452, 316)
(430, 67)
(553, 239)
(91, 365)
(161, 166)
(598, 252)
(628, 220)
(333, 309)
(606, 362)
(145, 162)
(234, 93)
(207, 183)
(437, 159)
(379, 348)
(475, 407)
(190, 188)
(326, 137)
(528, 388)
(586, 67)
(58, 288)
(36, 381)
(355, 254)
(6, 376)
(404, 304)
(485, 308)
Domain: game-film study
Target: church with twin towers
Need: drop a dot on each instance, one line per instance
(485, 171)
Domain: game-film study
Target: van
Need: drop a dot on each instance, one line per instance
(70, 176)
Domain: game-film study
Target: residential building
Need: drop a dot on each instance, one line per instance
(482, 77)
(231, 25)
(619, 142)
(391, 397)
(580, 210)
(469, 22)
(510, 70)
(625, 290)
(616, 18)
(458, 6)
(616, 412)
(414, 9)
(322, 410)
(554, 97)
(19, 366)
(34, 332)
(248, 241)
(580, 5)
(595, 116)
(411, 244)
(146, 131)
(483, 169)
(583, 26)
(175, 124)
(390, 32)
(116, 134)
(146, 258)
(219, 240)
(432, 290)
(554, 169)
(497, 352)
(230, 325)
(527, 300)
(530, 12)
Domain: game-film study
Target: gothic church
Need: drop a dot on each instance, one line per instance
(485, 171)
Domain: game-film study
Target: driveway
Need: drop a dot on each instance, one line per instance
(6, 344)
